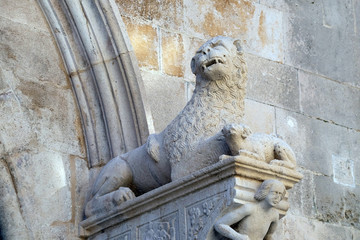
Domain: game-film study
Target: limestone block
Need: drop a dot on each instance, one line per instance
(299, 228)
(14, 117)
(24, 13)
(356, 233)
(306, 136)
(172, 54)
(336, 15)
(56, 231)
(343, 171)
(41, 111)
(277, 4)
(56, 125)
(356, 8)
(261, 27)
(40, 127)
(336, 204)
(42, 182)
(40, 61)
(144, 39)
(329, 200)
(273, 83)
(167, 14)
(321, 39)
(11, 222)
(259, 117)
(351, 208)
(166, 95)
(302, 196)
(265, 35)
(36, 93)
(326, 99)
(188, 208)
(217, 18)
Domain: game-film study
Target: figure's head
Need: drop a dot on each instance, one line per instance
(218, 59)
(273, 191)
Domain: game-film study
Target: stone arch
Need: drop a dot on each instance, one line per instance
(105, 77)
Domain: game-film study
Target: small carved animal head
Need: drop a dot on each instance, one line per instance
(236, 130)
(218, 59)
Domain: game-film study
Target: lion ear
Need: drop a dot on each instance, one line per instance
(237, 43)
(193, 66)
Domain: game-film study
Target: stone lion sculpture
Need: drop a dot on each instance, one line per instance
(193, 140)
(263, 147)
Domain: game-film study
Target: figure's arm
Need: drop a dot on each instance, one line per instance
(272, 228)
(222, 226)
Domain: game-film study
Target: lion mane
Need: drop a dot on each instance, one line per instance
(214, 104)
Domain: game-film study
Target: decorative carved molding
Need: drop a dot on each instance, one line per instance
(198, 216)
(104, 74)
(123, 236)
(166, 228)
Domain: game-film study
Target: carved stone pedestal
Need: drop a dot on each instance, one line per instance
(188, 208)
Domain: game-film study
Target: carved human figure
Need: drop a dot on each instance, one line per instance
(261, 146)
(160, 231)
(254, 221)
(193, 140)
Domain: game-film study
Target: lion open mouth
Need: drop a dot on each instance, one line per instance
(211, 62)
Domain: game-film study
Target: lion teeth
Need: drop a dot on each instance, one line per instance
(213, 61)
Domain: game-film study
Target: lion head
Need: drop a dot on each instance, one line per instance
(218, 99)
(219, 59)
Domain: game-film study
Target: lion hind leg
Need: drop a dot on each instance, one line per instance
(111, 187)
(114, 174)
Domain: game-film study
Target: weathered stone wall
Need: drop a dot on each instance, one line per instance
(304, 84)
(303, 67)
(43, 166)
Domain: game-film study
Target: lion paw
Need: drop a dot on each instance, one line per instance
(123, 194)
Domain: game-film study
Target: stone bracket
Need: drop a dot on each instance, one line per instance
(197, 200)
